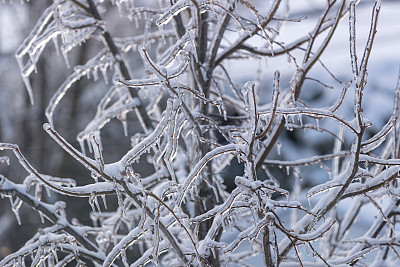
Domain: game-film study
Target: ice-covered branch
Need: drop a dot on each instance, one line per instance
(201, 182)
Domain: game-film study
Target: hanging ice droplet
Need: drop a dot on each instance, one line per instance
(317, 121)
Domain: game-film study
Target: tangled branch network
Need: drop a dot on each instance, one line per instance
(191, 117)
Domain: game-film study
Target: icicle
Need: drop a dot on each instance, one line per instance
(53, 250)
(89, 145)
(38, 191)
(292, 118)
(15, 205)
(95, 74)
(104, 73)
(119, 197)
(41, 217)
(136, 20)
(125, 127)
(32, 60)
(317, 122)
(309, 202)
(272, 241)
(75, 248)
(118, 3)
(300, 118)
(65, 56)
(161, 30)
(92, 200)
(104, 201)
(278, 148)
(330, 174)
(95, 141)
(287, 170)
(293, 94)
(213, 252)
(97, 204)
(286, 121)
(28, 88)
(82, 145)
(56, 46)
(48, 191)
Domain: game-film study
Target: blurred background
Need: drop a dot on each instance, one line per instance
(21, 123)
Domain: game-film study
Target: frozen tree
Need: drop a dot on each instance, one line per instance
(195, 119)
